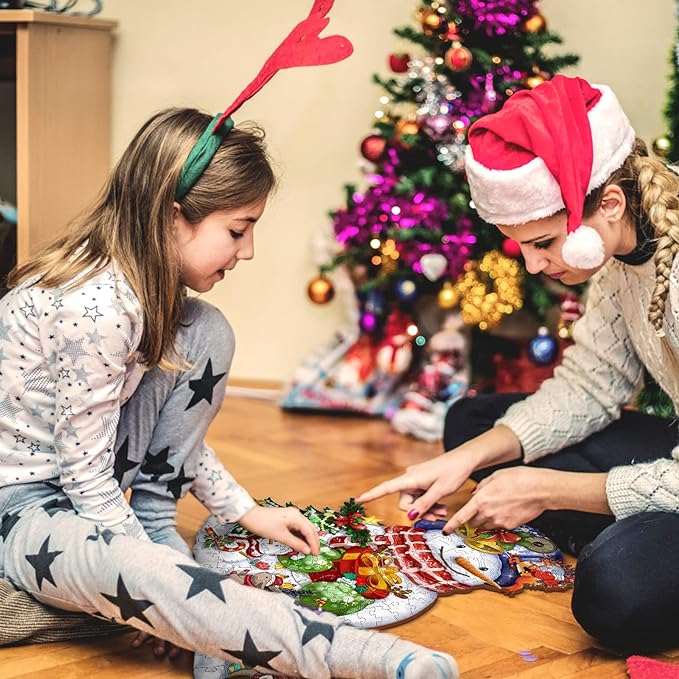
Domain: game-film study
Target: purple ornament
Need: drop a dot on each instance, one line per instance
(437, 126)
(494, 17)
(368, 322)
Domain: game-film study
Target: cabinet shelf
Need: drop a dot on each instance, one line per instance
(55, 111)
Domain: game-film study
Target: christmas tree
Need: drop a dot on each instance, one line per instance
(418, 255)
(667, 146)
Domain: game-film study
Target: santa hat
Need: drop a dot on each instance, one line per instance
(544, 151)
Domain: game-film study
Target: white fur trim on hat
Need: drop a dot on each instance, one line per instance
(529, 192)
(583, 248)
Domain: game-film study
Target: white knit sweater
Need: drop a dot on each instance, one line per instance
(602, 372)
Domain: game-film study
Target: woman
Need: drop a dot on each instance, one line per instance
(601, 480)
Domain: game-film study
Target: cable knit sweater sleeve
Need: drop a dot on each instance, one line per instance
(598, 374)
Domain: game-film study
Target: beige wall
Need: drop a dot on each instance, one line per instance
(202, 53)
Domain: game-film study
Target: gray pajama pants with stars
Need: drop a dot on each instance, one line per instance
(66, 561)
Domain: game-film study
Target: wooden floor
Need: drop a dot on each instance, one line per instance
(321, 460)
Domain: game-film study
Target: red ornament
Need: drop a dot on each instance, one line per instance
(458, 58)
(511, 248)
(373, 148)
(398, 62)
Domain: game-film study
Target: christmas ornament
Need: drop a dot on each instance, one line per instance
(532, 81)
(661, 146)
(368, 322)
(433, 265)
(320, 290)
(432, 22)
(543, 348)
(489, 289)
(406, 290)
(448, 296)
(405, 127)
(535, 24)
(494, 17)
(489, 103)
(511, 248)
(373, 148)
(437, 126)
(571, 309)
(399, 62)
(458, 58)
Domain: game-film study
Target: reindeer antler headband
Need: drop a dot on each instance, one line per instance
(302, 47)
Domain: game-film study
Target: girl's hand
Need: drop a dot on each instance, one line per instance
(508, 498)
(161, 648)
(283, 524)
(424, 484)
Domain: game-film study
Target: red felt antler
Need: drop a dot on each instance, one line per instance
(302, 47)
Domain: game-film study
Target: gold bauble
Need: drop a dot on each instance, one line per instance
(431, 21)
(405, 126)
(535, 24)
(661, 146)
(533, 81)
(320, 290)
(458, 58)
(448, 296)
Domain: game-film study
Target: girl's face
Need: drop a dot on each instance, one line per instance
(542, 239)
(216, 244)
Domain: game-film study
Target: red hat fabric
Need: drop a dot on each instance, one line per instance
(544, 151)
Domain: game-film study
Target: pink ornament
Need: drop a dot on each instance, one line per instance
(489, 103)
(511, 248)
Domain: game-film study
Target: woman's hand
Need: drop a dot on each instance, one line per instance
(283, 524)
(507, 498)
(424, 484)
(511, 497)
(161, 648)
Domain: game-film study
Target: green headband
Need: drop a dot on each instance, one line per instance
(202, 154)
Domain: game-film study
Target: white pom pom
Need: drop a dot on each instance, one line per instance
(583, 248)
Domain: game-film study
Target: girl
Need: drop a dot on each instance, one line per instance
(110, 378)
(604, 482)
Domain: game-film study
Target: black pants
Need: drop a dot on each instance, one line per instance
(627, 580)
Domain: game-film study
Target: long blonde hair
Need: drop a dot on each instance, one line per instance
(132, 220)
(651, 190)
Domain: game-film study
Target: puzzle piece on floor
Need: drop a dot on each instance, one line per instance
(376, 576)
(205, 667)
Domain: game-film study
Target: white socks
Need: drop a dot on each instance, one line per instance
(362, 654)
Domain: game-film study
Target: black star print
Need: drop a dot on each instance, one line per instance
(7, 523)
(156, 465)
(175, 486)
(251, 655)
(204, 580)
(129, 607)
(42, 562)
(313, 629)
(62, 504)
(123, 463)
(203, 388)
(106, 535)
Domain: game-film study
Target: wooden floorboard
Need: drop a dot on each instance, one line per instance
(324, 460)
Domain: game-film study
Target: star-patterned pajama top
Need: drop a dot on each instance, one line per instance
(68, 362)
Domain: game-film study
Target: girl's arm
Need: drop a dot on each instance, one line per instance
(218, 490)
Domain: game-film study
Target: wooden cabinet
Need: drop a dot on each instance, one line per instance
(55, 118)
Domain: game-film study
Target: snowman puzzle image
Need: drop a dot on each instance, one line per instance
(376, 576)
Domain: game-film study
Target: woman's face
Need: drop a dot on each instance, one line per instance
(542, 239)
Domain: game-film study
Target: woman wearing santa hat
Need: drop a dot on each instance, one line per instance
(559, 170)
